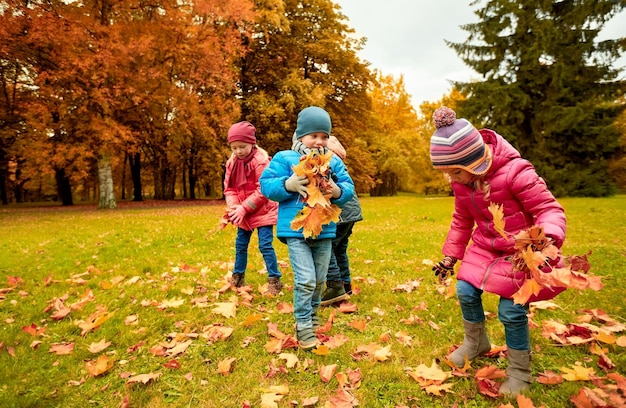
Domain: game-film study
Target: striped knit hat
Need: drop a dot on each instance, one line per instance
(456, 143)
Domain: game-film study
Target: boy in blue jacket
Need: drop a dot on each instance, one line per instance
(309, 257)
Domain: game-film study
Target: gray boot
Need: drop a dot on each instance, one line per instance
(518, 375)
(334, 293)
(476, 343)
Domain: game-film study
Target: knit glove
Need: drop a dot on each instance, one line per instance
(237, 214)
(297, 184)
(445, 267)
(336, 191)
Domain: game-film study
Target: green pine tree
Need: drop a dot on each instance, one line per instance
(549, 86)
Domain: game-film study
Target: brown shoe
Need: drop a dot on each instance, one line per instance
(274, 286)
(238, 280)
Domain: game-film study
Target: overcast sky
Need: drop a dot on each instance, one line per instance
(406, 37)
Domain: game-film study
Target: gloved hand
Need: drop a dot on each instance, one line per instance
(336, 191)
(237, 214)
(445, 267)
(297, 184)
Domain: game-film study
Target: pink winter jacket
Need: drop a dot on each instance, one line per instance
(260, 211)
(526, 201)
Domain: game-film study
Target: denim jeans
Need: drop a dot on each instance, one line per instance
(513, 316)
(309, 261)
(339, 267)
(266, 236)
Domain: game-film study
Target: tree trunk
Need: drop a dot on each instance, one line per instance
(3, 187)
(64, 188)
(124, 176)
(164, 181)
(193, 179)
(105, 184)
(135, 171)
(388, 185)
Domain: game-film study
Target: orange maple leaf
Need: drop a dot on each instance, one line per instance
(101, 365)
(225, 366)
(34, 330)
(529, 288)
(312, 219)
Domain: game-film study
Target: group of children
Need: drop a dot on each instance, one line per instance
(482, 167)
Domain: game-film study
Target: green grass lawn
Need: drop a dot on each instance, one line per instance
(156, 273)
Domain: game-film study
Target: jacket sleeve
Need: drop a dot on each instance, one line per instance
(461, 228)
(536, 199)
(230, 194)
(343, 181)
(256, 200)
(273, 178)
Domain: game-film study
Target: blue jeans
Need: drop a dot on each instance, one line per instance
(266, 236)
(309, 261)
(513, 316)
(339, 267)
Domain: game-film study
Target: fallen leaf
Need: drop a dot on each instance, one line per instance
(99, 346)
(101, 365)
(225, 366)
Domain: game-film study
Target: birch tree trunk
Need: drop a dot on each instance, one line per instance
(105, 183)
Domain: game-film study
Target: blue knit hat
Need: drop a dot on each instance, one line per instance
(311, 120)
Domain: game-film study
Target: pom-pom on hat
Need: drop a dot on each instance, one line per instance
(242, 132)
(311, 120)
(456, 143)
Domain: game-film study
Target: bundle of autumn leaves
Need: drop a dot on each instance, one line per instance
(536, 255)
(317, 211)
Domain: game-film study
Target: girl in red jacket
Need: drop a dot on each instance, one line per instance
(248, 208)
(484, 168)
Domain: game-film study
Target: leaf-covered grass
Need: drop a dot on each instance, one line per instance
(134, 258)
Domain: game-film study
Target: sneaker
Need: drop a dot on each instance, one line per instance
(274, 286)
(306, 338)
(347, 286)
(238, 280)
(333, 293)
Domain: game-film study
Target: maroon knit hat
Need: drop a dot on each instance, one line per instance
(457, 143)
(242, 132)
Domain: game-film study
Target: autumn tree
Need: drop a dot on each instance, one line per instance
(392, 136)
(108, 79)
(302, 53)
(548, 85)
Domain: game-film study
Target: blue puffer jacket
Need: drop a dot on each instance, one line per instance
(289, 203)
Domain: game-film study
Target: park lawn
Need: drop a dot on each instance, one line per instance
(154, 274)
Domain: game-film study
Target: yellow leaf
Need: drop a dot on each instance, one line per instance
(578, 373)
(498, 219)
(226, 309)
(225, 366)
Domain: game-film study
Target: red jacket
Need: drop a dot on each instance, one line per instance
(526, 201)
(260, 211)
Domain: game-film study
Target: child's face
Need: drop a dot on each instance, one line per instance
(460, 176)
(240, 149)
(315, 140)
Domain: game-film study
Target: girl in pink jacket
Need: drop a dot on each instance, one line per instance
(484, 168)
(248, 208)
